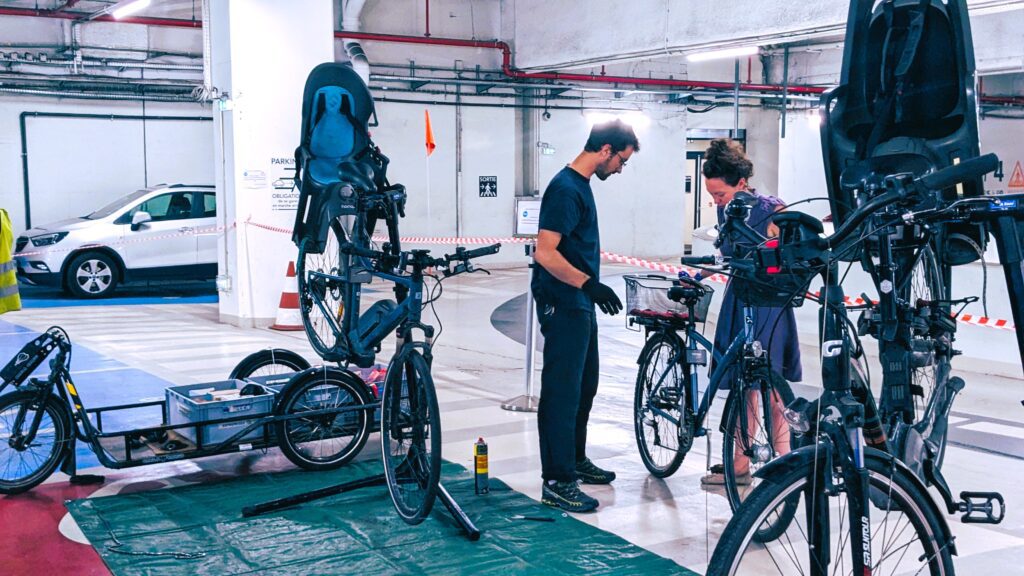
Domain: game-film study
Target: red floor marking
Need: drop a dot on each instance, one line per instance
(32, 542)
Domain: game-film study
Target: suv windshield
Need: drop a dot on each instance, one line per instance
(116, 205)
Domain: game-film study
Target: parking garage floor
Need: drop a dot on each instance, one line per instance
(131, 351)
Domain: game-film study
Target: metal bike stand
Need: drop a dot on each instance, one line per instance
(471, 531)
(527, 402)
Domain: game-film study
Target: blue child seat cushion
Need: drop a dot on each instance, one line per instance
(333, 136)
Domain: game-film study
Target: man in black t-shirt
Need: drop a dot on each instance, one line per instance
(566, 285)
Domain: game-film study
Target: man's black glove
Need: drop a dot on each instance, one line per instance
(603, 296)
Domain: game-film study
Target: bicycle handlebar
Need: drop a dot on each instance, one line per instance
(957, 173)
(711, 260)
(463, 254)
(952, 175)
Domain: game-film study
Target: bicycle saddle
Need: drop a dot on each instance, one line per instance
(358, 174)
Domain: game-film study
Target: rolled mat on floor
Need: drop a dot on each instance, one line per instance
(356, 532)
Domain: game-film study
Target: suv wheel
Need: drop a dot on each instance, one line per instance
(91, 275)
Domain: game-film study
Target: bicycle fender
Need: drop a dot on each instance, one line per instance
(797, 459)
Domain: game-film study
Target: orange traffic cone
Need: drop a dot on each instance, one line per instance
(288, 316)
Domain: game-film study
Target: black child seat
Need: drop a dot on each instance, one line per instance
(905, 103)
(336, 161)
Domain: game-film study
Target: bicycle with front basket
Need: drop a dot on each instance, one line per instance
(668, 411)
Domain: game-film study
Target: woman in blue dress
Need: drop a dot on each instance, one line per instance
(727, 170)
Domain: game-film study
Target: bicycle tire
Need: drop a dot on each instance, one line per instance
(928, 285)
(733, 491)
(11, 480)
(411, 436)
(904, 492)
(657, 439)
(323, 442)
(268, 362)
(320, 330)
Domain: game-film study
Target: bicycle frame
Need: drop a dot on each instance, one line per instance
(723, 363)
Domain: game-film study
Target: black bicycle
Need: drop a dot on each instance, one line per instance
(668, 410)
(861, 509)
(320, 418)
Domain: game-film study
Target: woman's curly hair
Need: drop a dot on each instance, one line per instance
(726, 159)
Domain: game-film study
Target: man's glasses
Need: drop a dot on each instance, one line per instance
(622, 161)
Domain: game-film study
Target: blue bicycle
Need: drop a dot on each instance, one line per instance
(332, 275)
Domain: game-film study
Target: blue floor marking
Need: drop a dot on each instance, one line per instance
(114, 383)
(56, 302)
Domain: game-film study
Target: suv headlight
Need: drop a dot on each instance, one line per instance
(48, 239)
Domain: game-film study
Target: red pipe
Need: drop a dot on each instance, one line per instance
(427, 33)
(172, 22)
(1011, 100)
(508, 70)
(506, 56)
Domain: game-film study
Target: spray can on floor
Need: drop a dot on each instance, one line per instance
(480, 467)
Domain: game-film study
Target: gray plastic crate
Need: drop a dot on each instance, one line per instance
(327, 395)
(183, 409)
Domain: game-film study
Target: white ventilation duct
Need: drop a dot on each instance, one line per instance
(350, 23)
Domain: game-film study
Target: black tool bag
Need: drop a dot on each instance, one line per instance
(905, 103)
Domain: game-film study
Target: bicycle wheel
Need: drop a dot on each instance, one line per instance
(663, 432)
(321, 300)
(269, 362)
(907, 538)
(411, 436)
(322, 434)
(925, 282)
(25, 467)
(750, 439)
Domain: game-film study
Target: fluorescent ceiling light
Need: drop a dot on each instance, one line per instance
(635, 119)
(726, 53)
(127, 7)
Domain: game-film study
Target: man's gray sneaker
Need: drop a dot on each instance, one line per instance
(588, 473)
(567, 496)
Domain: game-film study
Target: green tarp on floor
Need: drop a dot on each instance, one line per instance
(353, 533)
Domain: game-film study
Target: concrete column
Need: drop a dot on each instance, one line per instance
(261, 53)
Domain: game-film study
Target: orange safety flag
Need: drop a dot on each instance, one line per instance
(430, 134)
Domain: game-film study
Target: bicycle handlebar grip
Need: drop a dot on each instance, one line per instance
(349, 248)
(699, 260)
(476, 253)
(966, 170)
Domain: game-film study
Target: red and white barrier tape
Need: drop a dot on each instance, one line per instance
(482, 240)
(193, 231)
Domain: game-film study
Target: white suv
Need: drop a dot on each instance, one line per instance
(160, 233)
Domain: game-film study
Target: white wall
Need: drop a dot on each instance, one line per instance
(78, 165)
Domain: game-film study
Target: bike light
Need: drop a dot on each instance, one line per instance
(773, 243)
(48, 239)
(797, 421)
(773, 270)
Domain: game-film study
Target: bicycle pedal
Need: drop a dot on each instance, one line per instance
(981, 507)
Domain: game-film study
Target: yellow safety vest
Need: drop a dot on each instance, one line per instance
(9, 297)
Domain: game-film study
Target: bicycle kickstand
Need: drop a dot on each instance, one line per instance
(70, 467)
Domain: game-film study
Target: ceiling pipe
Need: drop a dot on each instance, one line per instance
(143, 20)
(506, 53)
(66, 5)
(508, 70)
(350, 22)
